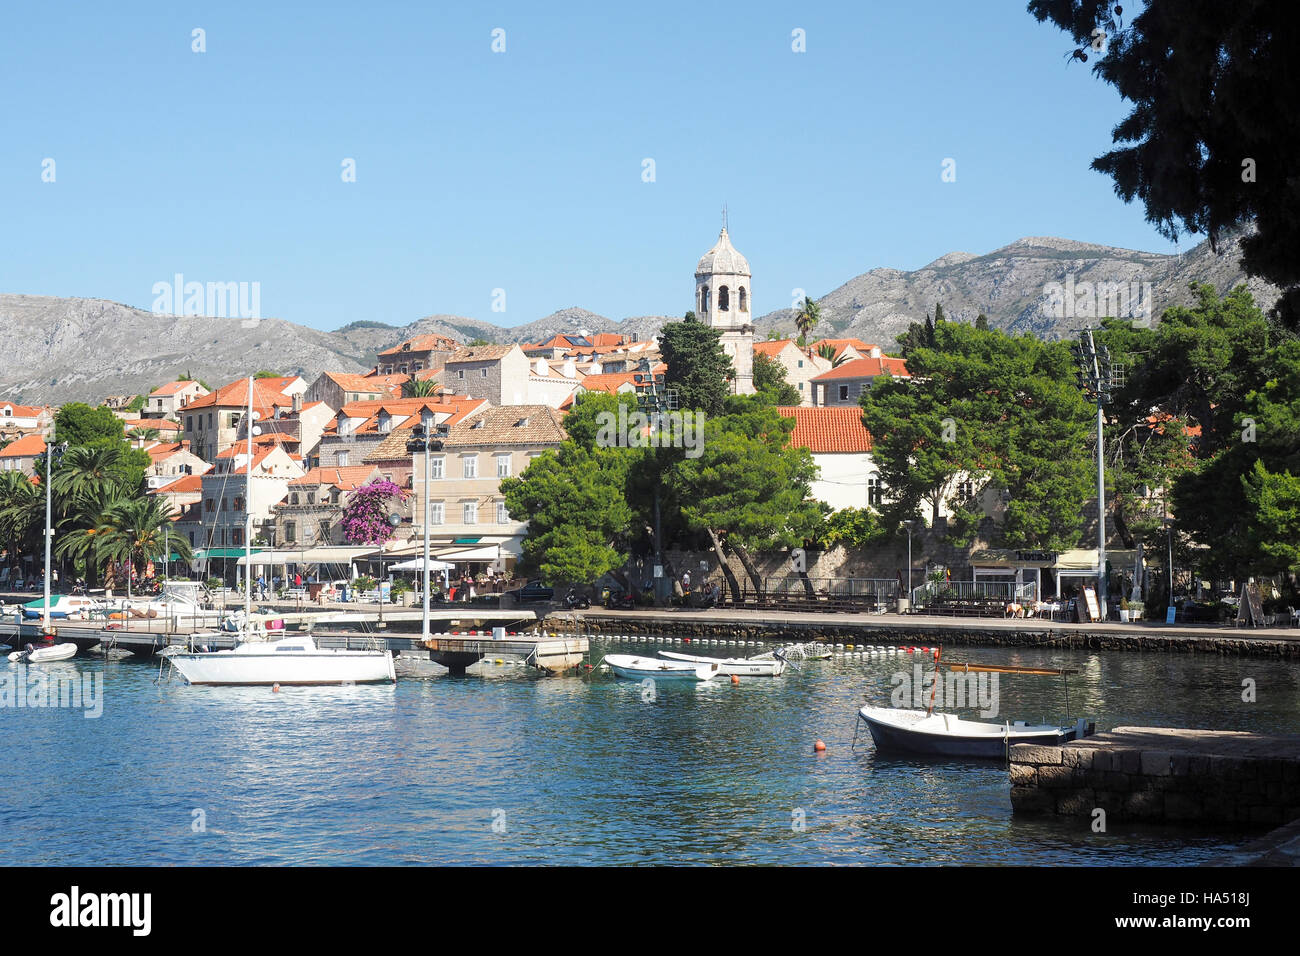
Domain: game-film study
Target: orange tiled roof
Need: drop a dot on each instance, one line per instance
(185, 484)
(23, 411)
(235, 395)
(828, 430)
(773, 348)
(345, 478)
(867, 368)
(422, 343)
(171, 388)
(24, 447)
(609, 381)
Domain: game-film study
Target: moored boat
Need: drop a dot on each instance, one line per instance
(946, 735)
(62, 606)
(737, 666)
(296, 660)
(639, 668)
(43, 655)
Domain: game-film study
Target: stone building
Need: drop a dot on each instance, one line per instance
(723, 294)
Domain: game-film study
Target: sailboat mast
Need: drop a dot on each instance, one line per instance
(248, 513)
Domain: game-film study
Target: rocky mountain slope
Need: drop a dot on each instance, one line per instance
(63, 350)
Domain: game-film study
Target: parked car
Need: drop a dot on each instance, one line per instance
(533, 591)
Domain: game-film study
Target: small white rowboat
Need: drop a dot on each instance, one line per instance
(639, 668)
(739, 666)
(43, 655)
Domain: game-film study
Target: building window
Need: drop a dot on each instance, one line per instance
(801, 363)
(744, 300)
(724, 299)
(293, 498)
(237, 537)
(343, 459)
(209, 504)
(844, 393)
(189, 423)
(290, 532)
(873, 491)
(470, 511)
(436, 468)
(437, 513)
(503, 516)
(460, 373)
(966, 489)
(483, 372)
(324, 531)
(469, 466)
(503, 466)
(704, 300)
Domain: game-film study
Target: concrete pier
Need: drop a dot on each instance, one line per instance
(1162, 775)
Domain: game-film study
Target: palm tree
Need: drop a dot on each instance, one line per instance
(419, 388)
(22, 514)
(136, 530)
(84, 471)
(806, 318)
(143, 435)
(827, 351)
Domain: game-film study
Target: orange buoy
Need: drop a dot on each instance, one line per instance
(819, 747)
(735, 679)
(275, 688)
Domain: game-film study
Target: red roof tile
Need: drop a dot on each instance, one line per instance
(867, 368)
(833, 430)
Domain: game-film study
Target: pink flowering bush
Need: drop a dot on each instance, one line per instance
(365, 518)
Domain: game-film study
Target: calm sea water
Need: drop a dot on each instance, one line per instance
(502, 768)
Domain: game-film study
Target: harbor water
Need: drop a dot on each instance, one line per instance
(503, 767)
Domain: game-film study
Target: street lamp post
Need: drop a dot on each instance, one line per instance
(908, 524)
(1169, 530)
(52, 455)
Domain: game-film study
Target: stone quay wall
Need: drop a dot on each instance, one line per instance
(901, 631)
(1160, 775)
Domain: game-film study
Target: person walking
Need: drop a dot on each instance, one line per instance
(686, 582)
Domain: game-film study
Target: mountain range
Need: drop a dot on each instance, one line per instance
(77, 349)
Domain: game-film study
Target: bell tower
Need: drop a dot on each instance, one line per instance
(722, 301)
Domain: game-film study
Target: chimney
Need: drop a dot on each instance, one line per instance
(570, 369)
(297, 402)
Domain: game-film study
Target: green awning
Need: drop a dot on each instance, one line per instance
(467, 540)
(224, 552)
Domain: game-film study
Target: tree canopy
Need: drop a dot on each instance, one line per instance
(1214, 128)
(698, 368)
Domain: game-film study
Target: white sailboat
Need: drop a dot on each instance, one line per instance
(260, 659)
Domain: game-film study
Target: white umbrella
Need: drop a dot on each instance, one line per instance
(417, 564)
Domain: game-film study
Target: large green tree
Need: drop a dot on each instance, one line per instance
(986, 407)
(1211, 139)
(748, 489)
(698, 368)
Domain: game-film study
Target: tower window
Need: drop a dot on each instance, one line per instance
(704, 300)
(744, 300)
(724, 299)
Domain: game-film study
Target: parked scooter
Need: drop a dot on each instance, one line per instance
(574, 600)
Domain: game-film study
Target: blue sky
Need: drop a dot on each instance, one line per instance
(522, 170)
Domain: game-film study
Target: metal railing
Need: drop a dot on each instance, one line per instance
(939, 593)
(827, 593)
